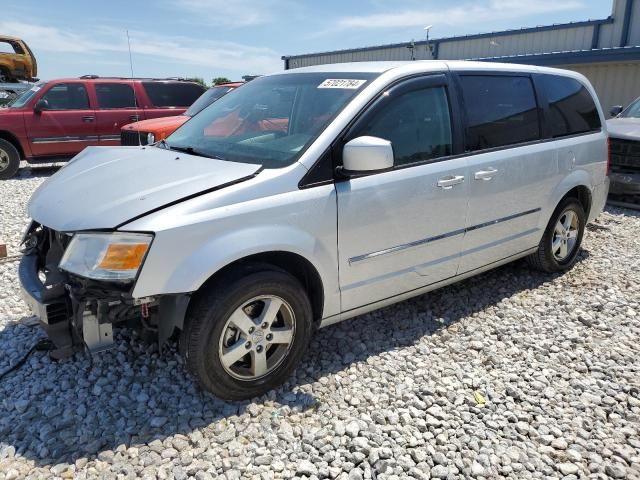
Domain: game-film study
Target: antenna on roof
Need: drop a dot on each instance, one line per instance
(429, 46)
(411, 47)
(133, 85)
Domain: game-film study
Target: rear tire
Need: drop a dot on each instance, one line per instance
(9, 160)
(560, 244)
(246, 332)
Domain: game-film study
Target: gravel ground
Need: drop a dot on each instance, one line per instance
(512, 374)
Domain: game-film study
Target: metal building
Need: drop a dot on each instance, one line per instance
(607, 51)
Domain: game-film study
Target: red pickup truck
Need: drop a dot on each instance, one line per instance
(55, 120)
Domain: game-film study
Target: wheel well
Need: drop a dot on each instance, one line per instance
(583, 194)
(11, 138)
(292, 263)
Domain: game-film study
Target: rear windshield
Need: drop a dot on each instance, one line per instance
(270, 120)
(173, 94)
(206, 99)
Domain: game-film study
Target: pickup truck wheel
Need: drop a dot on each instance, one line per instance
(562, 238)
(244, 335)
(9, 160)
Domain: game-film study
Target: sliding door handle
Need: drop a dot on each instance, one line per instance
(487, 174)
(449, 181)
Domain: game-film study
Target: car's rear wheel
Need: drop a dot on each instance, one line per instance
(9, 160)
(560, 244)
(245, 333)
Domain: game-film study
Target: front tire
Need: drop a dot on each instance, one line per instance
(9, 160)
(246, 332)
(560, 244)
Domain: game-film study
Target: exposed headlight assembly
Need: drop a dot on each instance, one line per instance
(106, 256)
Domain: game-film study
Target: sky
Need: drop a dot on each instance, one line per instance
(231, 38)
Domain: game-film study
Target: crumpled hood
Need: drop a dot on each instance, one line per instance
(625, 128)
(104, 187)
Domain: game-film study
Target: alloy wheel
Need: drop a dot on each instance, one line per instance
(565, 235)
(257, 337)
(4, 160)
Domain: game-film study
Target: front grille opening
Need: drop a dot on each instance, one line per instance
(132, 138)
(625, 155)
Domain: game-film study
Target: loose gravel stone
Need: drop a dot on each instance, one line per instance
(392, 394)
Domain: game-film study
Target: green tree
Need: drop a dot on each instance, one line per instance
(199, 80)
(219, 80)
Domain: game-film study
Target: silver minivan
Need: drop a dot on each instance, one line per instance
(311, 196)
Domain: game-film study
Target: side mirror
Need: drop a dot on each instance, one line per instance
(366, 155)
(41, 105)
(616, 110)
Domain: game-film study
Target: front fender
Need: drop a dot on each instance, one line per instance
(183, 257)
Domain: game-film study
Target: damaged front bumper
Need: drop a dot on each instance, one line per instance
(78, 313)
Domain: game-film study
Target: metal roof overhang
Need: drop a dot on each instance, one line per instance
(601, 55)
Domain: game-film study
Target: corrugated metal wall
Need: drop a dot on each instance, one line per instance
(576, 38)
(561, 38)
(615, 83)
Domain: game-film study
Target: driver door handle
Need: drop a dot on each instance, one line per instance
(487, 174)
(449, 181)
(88, 118)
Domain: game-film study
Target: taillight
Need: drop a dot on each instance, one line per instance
(608, 156)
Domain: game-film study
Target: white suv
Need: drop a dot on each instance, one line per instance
(311, 196)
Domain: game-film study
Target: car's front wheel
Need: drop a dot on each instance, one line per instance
(9, 160)
(246, 332)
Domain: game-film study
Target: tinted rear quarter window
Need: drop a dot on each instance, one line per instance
(115, 95)
(571, 107)
(500, 110)
(172, 94)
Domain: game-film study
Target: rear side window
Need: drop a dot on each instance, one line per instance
(67, 96)
(172, 94)
(417, 124)
(115, 95)
(501, 110)
(571, 107)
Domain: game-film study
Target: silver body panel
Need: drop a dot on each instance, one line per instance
(373, 240)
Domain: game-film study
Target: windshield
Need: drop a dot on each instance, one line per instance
(206, 99)
(23, 99)
(633, 110)
(270, 120)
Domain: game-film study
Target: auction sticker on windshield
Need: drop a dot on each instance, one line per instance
(341, 83)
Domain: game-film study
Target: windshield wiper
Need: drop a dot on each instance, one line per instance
(190, 151)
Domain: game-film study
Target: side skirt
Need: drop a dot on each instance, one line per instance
(419, 291)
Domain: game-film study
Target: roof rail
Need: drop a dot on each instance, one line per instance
(177, 79)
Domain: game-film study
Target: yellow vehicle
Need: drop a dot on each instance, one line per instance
(17, 61)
